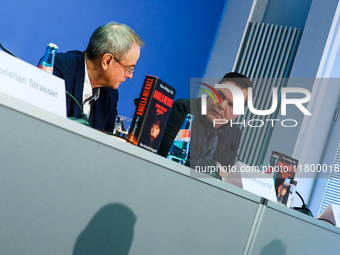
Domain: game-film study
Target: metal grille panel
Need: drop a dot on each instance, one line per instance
(266, 57)
(332, 192)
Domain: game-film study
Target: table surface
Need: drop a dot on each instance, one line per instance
(68, 188)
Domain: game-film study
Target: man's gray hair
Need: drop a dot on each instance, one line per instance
(115, 38)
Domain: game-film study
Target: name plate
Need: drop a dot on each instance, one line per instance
(332, 214)
(260, 185)
(254, 181)
(30, 84)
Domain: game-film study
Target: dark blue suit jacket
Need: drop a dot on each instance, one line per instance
(223, 154)
(70, 66)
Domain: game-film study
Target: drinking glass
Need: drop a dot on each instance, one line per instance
(122, 126)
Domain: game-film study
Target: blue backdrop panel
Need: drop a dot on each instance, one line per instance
(178, 35)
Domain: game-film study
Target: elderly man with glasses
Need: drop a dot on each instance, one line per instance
(93, 77)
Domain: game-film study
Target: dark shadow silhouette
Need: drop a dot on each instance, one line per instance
(274, 247)
(110, 231)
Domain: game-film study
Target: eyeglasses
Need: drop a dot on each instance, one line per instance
(223, 98)
(128, 70)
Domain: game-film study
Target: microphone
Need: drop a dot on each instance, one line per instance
(6, 50)
(136, 101)
(304, 208)
(83, 117)
(233, 149)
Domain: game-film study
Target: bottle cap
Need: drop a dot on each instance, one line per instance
(52, 45)
(189, 116)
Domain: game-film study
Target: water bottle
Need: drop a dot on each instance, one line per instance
(287, 192)
(179, 150)
(47, 61)
(291, 195)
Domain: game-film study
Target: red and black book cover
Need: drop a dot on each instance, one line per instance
(284, 167)
(152, 113)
